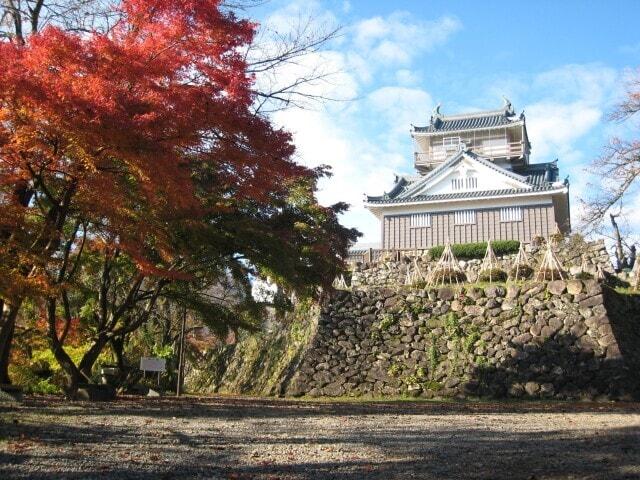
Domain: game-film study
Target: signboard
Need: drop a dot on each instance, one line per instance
(153, 364)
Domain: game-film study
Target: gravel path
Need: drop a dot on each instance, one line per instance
(241, 438)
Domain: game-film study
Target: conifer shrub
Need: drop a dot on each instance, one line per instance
(492, 275)
(448, 275)
(524, 272)
(546, 274)
(584, 276)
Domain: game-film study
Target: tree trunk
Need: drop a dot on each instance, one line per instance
(117, 345)
(89, 358)
(7, 328)
(620, 259)
(74, 376)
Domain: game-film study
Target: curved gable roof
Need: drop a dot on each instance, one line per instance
(418, 186)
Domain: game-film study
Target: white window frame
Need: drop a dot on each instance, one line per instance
(420, 220)
(457, 183)
(450, 143)
(464, 217)
(511, 214)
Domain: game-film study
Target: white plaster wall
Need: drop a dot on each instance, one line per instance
(488, 179)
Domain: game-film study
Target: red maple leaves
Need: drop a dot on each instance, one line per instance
(133, 129)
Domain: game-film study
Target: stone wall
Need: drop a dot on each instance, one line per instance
(565, 340)
(570, 253)
(258, 363)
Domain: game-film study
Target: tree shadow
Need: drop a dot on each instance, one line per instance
(383, 450)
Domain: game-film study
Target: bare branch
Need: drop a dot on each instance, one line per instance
(619, 168)
(290, 68)
(70, 15)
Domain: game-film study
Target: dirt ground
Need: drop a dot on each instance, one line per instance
(243, 438)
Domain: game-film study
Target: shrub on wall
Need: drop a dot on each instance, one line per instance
(524, 272)
(493, 275)
(477, 250)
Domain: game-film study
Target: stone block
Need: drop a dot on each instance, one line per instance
(474, 310)
(574, 287)
(607, 340)
(493, 291)
(333, 390)
(547, 331)
(591, 301)
(512, 291)
(446, 293)
(578, 330)
(557, 287)
(475, 293)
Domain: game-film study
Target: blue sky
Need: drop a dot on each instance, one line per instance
(562, 62)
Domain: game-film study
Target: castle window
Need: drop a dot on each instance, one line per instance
(450, 143)
(420, 220)
(465, 217)
(511, 214)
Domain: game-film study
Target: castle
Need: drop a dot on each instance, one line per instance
(474, 183)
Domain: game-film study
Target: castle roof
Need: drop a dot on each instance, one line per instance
(538, 177)
(440, 123)
(462, 195)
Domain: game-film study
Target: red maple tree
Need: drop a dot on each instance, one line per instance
(109, 137)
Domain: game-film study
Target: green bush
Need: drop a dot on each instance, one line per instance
(493, 275)
(470, 341)
(24, 377)
(584, 276)
(395, 370)
(452, 326)
(386, 322)
(477, 250)
(444, 275)
(433, 385)
(434, 357)
(524, 272)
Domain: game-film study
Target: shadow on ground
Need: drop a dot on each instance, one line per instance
(203, 443)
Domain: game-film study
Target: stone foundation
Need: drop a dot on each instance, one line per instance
(564, 339)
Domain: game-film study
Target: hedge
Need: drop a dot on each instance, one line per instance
(477, 250)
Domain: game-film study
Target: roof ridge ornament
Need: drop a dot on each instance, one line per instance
(508, 108)
(436, 116)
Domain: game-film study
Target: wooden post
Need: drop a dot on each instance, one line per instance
(181, 357)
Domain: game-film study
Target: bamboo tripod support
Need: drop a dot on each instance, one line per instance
(521, 260)
(489, 262)
(446, 268)
(550, 265)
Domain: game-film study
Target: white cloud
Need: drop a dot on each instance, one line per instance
(358, 166)
(400, 106)
(398, 38)
(289, 18)
(570, 102)
(591, 82)
(565, 114)
(407, 78)
(554, 128)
